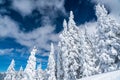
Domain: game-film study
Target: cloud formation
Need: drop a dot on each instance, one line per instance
(25, 7)
(39, 37)
(6, 51)
(49, 9)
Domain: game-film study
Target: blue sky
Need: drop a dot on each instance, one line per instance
(28, 23)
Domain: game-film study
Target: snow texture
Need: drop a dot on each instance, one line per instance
(115, 75)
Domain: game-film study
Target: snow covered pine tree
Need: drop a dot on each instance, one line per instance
(51, 65)
(88, 56)
(64, 46)
(20, 74)
(10, 75)
(75, 53)
(31, 66)
(78, 55)
(39, 73)
(107, 41)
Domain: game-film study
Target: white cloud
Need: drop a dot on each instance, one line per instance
(25, 7)
(44, 6)
(38, 37)
(49, 9)
(113, 5)
(50, 5)
(6, 51)
(7, 27)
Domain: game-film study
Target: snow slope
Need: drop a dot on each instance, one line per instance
(115, 75)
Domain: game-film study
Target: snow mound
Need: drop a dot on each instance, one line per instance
(115, 75)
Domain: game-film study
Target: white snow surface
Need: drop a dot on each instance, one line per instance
(115, 75)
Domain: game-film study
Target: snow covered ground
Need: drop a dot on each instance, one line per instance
(115, 75)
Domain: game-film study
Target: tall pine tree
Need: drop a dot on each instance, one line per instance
(89, 56)
(51, 64)
(31, 65)
(39, 73)
(107, 42)
(20, 74)
(11, 73)
(69, 44)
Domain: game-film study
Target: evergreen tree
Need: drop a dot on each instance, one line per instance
(31, 65)
(73, 43)
(20, 74)
(39, 73)
(62, 47)
(76, 49)
(79, 55)
(11, 74)
(89, 56)
(106, 40)
(69, 49)
(51, 65)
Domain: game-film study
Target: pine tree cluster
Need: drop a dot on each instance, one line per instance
(79, 54)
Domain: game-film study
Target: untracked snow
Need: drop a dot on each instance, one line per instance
(115, 75)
